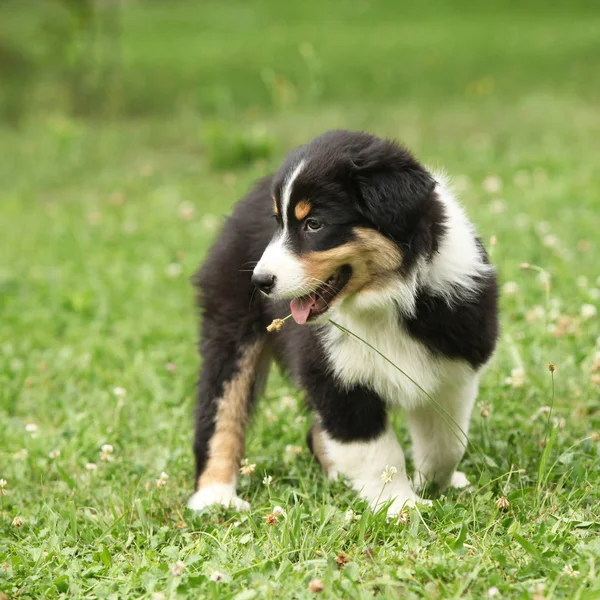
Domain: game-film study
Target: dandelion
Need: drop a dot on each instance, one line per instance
(31, 428)
(588, 311)
(91, 466)
(216, 576)
(173, 270)
(492, 184)
(388, 474)
(18, 522)
(517, 377)
(247, 468)
(341, 560)
(54, 453)
(568, 570)
(510, 288)
(119, 392)
(316, 586)
(162, 480)
(502, 503)
(178, 568)
(267, 480)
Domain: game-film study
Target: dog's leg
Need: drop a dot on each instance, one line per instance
(353, 438)
(228, 384)
(439, 436)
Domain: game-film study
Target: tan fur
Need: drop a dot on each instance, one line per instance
(372, 256)
(319, 448)
(275, 209)
(302, 210)
(227, 443)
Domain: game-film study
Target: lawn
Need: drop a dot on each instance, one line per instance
(117, 171)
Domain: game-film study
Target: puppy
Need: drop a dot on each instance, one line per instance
(357, 240)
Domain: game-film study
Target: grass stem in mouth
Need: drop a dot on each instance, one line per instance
(277, 324)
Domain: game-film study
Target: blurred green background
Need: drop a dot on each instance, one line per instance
(127, 131)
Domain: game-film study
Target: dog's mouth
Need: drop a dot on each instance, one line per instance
(318, 302)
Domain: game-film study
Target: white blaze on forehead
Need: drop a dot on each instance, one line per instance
(287, 190)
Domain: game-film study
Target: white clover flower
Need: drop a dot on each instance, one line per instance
(91, 466)
(588, 311)
(267, 480)
(278, 511)
(178, 568)
(493, 592)
(293, 450)
(21, 454)
(517, 377)
(3, 484)
(162, 479)
(568, 570)
(492, 184)
(510, 288)
(31, 428)
(388, 474)
(119, 392)
(54, 453)
(288, 403)
(247, 468)
(18, 522)
(106, 452)
(216, 576)
(173, 270)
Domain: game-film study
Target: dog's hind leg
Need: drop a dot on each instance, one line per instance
(233, 372)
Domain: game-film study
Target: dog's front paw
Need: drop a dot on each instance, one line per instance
(459, 480)
(223, 494)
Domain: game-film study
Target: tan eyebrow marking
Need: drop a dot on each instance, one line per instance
(275, 209)
(302, 210)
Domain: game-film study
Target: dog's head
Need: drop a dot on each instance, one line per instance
(352, 211)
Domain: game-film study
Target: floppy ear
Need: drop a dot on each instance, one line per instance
(397, 195)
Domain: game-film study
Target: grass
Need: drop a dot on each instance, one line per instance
(108, 209)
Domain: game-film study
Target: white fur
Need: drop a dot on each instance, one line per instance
(287, 191)
(438, 425)
(457, 266)
(290, 278)
(362, 464)
(218, 493)
(277, 260)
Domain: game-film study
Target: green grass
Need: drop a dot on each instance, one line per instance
(108, 207)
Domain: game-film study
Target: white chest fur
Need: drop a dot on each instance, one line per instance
(354, 362)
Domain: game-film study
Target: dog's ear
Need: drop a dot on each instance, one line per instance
(396, 194)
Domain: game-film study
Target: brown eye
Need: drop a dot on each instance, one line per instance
(312, 225)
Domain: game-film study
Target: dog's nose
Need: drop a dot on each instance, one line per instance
(264, 282)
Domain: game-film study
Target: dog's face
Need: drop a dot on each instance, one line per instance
(352, 211)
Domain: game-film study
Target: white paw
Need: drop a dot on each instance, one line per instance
(223, 494)
(459, 480)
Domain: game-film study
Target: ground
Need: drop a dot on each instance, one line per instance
(111, 193)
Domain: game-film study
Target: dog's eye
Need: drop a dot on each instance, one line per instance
(312, 225)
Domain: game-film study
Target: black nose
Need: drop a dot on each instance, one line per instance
(263, 281)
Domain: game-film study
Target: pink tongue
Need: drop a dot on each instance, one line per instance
(301, 309)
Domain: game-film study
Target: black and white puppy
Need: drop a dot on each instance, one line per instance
(351, 229)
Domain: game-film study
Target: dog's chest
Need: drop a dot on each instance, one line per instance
(354, 362)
